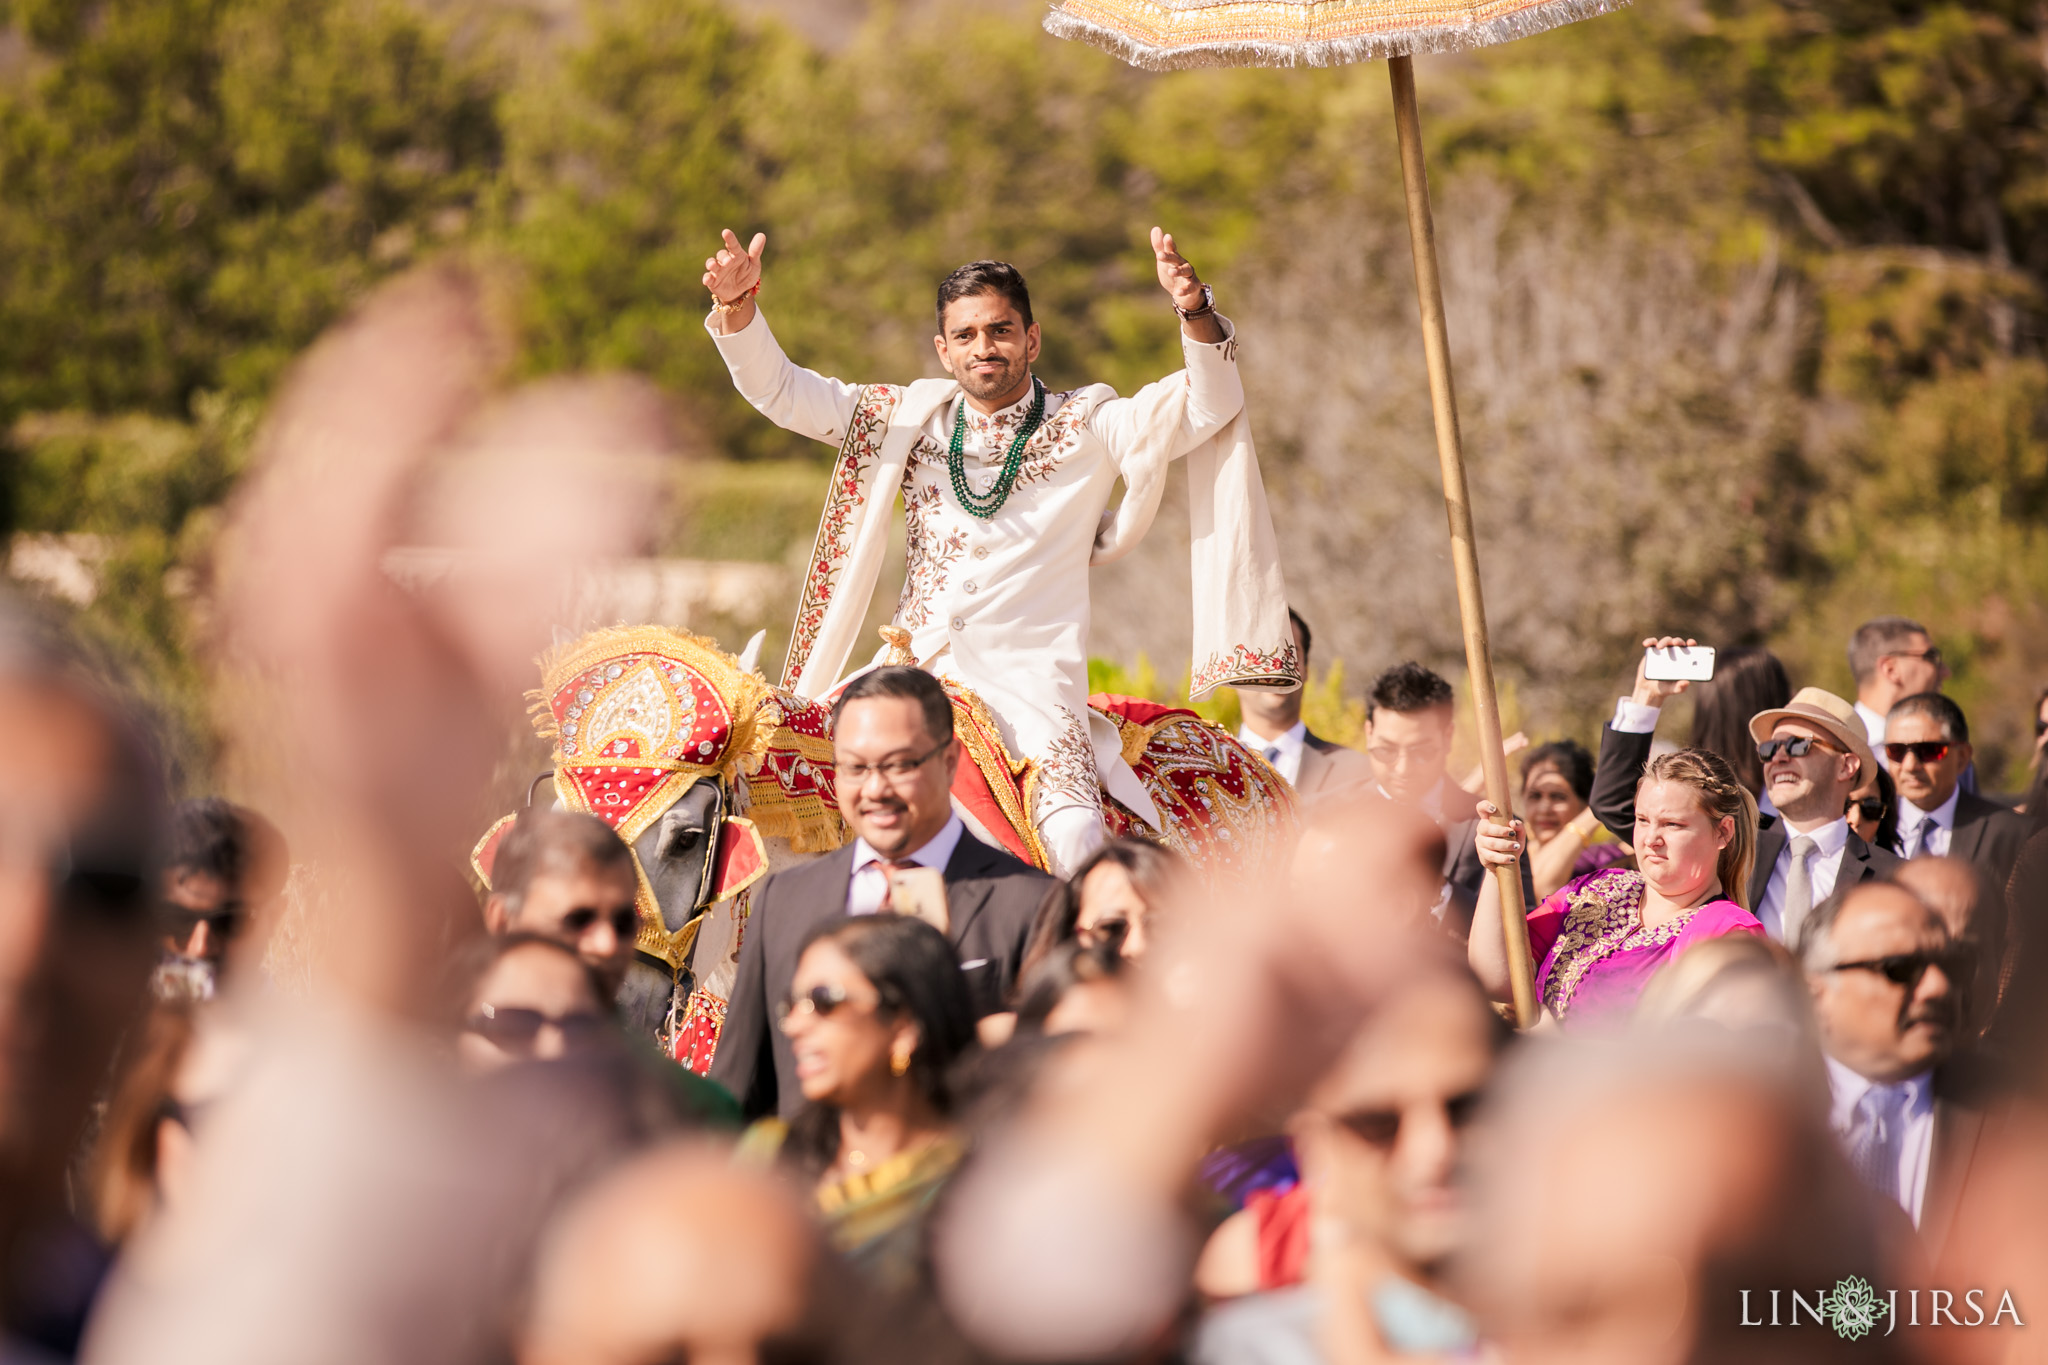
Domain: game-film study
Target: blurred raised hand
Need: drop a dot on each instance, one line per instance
(372, 714)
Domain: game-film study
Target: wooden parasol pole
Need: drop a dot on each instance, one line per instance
(1429, 295)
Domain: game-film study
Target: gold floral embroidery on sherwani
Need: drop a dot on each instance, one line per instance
(1605, 917)
(930, 551)
(1065, 774)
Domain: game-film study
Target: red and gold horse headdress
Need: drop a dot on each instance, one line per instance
(638, 715)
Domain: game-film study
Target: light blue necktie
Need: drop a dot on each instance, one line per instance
(1875, 1136)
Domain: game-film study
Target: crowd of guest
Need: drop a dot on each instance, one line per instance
(1782, 1040)
(1783, 1029)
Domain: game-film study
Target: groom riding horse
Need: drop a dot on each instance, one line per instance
(1006, 491)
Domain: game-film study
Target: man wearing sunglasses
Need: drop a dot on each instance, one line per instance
(892, 742)
(1381, 1145)
(1814, 756)
(226, 868)
(1891, 657)
(1888, 992)
(1927, 740)
(567, 876)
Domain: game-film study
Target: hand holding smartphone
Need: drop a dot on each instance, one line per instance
(1679, 663)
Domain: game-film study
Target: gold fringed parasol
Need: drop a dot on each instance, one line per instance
(1169, 35)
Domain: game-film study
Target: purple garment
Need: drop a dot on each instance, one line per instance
(1595, 958)
(1598, 858)
(1265, 1163)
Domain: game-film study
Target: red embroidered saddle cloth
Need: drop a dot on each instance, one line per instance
(1220, 805)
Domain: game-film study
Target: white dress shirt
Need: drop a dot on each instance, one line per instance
(1631, 717)
(1916, 1101)
(1873, 725)
(1934, 842)
(1283, 753)
(1823, 865)
(870, 884)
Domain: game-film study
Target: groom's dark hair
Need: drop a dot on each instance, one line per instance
(985, 277)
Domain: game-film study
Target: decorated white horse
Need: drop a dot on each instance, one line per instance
(714, 776)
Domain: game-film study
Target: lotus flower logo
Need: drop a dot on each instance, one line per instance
(1853, 1308)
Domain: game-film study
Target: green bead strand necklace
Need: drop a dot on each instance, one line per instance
(986, 506)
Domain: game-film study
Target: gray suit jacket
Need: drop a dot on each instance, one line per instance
(1464, 874)
(1330, 769)
(992, 900)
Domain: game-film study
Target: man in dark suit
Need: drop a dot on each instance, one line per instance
(1927, 740)
(1408, 725)
(1910, 1104)
(1814, 755)
(1273, 728)
(892, 739)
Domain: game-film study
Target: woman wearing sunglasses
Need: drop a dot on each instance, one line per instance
(1111, 899)
(877, 1016)
(530, 998)
(1873, 809)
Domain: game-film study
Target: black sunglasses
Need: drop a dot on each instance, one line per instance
(818, 1000)
(516, 1030)
(1381, 1128)
(1926, 750)
(1798, 747)
(1931, 654)
(222, 923)
(1906, 969)
(1109, 931)
(1871, 808)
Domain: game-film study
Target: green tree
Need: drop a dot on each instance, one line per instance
(191, 189)
(624, 159)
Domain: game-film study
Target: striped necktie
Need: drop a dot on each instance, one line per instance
(1875, 1138)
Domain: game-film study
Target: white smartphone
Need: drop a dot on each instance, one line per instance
(1680, 663)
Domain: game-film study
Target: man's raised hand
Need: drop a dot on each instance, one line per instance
(735, 269)
(1176, 276)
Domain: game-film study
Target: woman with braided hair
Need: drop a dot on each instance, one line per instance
(1600, 938)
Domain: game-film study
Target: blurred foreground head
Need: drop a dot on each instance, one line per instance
(81, 820)
(678, 1255)
(1382, 1136)
(1630, 1190)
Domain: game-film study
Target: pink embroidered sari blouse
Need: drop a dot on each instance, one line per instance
(1593, 955)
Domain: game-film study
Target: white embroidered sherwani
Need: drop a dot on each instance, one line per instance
(1002, 604)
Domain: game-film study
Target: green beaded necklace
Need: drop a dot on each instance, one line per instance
(1013, 462)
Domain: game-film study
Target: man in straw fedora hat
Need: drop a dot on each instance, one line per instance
(1814, 753)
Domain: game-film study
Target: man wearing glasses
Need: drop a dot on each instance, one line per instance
(892, 743)
(1891, 657)
(226, 866)
(1814, 756)
(1887, 987)
(1927, 740)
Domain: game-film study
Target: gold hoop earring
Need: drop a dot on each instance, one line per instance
(899, 1063)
